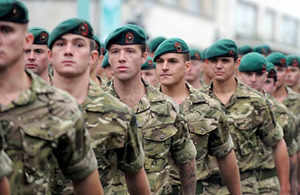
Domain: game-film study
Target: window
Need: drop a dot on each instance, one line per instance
(269, 26)
(289, 31)
(246, 20)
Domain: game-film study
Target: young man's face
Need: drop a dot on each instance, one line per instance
(281, 74)
(253, 79)
(13, 40)
(270, 85)
(126, 60)
(171, 68)
(36, 58)
(150, 76)
(108, 72)
(223, 68)
(71, 55)
(194, 72)
(293, 76)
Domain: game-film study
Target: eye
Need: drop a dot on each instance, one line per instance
(6, 29)
(27, 51)
(39, 51)
(59, 44)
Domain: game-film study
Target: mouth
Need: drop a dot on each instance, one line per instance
(30, 65)
(165, 75)
(122, 68)
(68, 62)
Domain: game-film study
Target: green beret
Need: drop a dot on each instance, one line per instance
(222, 48)
(149, 64)
(40, 34)
(105, 62)
(278, 59)
(293, 60)
(244, 49)
(154, 43)
(253, 62)
(126, 35)
(172, 45)
(13, 11)
(103, 50)
(272, 73)
(203, 53)
(98, 44)
(74, 26)
(262, 49)
(196, 55)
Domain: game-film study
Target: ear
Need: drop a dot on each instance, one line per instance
(237, 63)
(93, 57)
(50, 56)
(188, 65)
(144, 57)
(28, 40)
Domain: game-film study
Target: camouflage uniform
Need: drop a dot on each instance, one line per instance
(40, 123)
(209, 132)
(251, 123)
(6, 164)
(267, 177)
(292, 102)
(113, 129)
(165, 132)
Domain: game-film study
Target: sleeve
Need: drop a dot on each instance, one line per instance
(220, 142)
(270, 132)
(131, 157)
(182, 147)
(74, 155)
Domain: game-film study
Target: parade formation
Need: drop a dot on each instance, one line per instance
(141, 116)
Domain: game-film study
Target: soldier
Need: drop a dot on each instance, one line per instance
(39, 122)
(5, 169)
(270, 84)
(164, 130)
(264, 50)
(206, 72)
(94, 67)
(36, 56)
(287, 96)
(253, 72)
(192, 76)
(293, 73)
(249, 117)
(154, 43)
(148, 71)
(107, 68)
(207, 122)
(112, 124)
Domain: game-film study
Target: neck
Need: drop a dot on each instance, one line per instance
(45, 76)
(76, 86)
(224, 89)
(196, 84)
(178, 92)
(13, 81)
(280, 93)
(95, 79)
(295, 88)
(130, 91)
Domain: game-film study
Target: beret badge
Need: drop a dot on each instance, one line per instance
(84, 29)
(43, 36)
(231, 53)
(129, 38)
(282, 62)
(295, 62)
(264, 69)
(178, 47)
(15, 12)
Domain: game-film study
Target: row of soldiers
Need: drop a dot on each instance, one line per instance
(62, 133)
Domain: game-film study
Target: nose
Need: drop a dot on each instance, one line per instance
(165, 65)
(68, 50)
(253, 78)
(122, 57)
(31, 56)
(219, 64)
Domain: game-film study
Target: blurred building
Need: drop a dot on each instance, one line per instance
(198, 22)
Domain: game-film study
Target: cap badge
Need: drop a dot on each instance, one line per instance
(231, 53)
(129, 38)
(295, 62)
(84, 29)
(178, 47)
(43, 36)
(197, 55)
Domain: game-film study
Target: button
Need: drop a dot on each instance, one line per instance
(162, 136)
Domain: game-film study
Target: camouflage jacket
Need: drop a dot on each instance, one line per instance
(165, 132)
(114, 136)
(286, 120)
(40, 123)
(292, 102)
(208, 130)
(6, 164)
(251, 122)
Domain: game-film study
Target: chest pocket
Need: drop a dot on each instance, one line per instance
(39, 140)
(157, 143)
(200, 131)
(244, 134)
